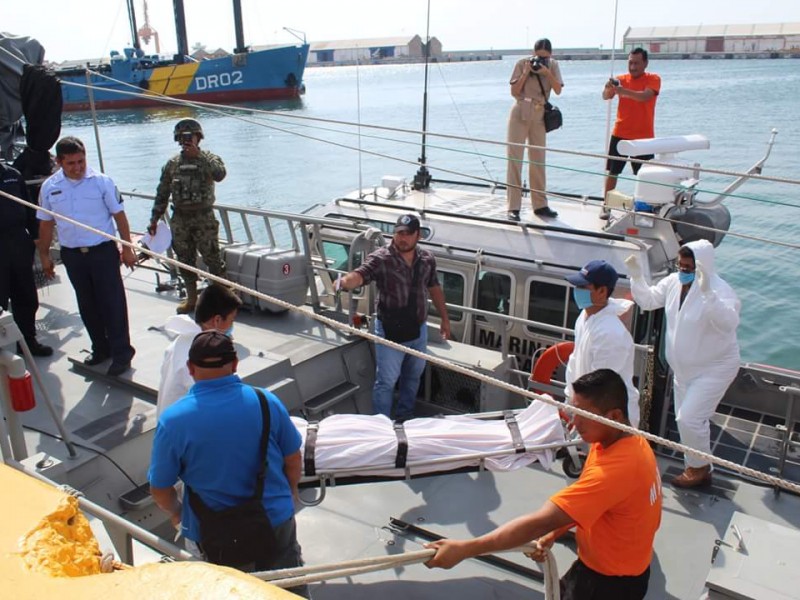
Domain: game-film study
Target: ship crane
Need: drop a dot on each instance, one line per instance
(146, 31)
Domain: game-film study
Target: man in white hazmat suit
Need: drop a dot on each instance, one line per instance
(702, 313)
(601, 339)
(216, 308)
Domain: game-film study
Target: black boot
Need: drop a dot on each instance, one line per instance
(36, 348)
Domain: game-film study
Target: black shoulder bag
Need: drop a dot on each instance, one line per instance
(552, 116)
(240, 535)
(401, 324)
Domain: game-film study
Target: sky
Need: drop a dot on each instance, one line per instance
(91, 28)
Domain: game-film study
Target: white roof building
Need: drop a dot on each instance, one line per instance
(739, 38)
(371, 49)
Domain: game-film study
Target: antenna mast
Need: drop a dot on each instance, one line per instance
(422, 179)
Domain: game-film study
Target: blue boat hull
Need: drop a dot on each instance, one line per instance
(274, 73)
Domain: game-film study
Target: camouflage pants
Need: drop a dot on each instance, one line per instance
(193, 233)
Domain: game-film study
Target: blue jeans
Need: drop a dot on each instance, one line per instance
(391, 365)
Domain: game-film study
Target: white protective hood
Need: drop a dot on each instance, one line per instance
(701, 334)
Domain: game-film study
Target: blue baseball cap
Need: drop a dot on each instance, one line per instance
(597, 272)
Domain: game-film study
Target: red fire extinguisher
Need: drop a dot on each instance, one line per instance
(21, 389)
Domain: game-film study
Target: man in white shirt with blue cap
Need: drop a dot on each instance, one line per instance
(92, 260)
(601, 339)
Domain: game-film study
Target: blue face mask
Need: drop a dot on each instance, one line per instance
(685, 278)
(583, 297)
(229, 332)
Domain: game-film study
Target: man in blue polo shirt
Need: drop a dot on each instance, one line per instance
(210, 441)
(92, 261)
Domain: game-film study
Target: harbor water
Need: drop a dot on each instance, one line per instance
(276, 161)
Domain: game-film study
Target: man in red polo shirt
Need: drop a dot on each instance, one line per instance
(615, 505)
(637, 91)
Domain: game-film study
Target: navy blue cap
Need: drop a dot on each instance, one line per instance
(409, 223)
(597, 272)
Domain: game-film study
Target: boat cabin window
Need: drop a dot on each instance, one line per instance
(551, 303)
(453, 287)
(494, 293)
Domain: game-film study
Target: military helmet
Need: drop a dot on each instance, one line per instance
(187, 126)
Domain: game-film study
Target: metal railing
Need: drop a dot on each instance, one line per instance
(121, 532)
(238, 228)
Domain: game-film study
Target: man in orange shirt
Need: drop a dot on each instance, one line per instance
(615, 506)
(636, 111)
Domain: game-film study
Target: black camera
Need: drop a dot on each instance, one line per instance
(614, 82)
(537, 62)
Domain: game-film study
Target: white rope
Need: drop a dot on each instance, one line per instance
(295, 577)
(227, 111)
(755, 474)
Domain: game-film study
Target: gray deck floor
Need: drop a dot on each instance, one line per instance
(352, 521)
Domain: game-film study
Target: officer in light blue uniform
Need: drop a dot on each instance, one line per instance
(92, 261)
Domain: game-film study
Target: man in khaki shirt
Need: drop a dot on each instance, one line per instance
(526, 125)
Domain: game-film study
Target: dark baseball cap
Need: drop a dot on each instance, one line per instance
(597, 272)
(212, 349)
(409, 223)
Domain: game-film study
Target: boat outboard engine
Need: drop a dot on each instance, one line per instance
(716, 217)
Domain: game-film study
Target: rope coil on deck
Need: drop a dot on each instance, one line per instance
(753, 473)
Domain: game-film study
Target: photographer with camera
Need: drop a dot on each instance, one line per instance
(637, 91)
(531, 82)
(188, 178)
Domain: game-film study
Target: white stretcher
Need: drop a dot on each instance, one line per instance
(345, 446)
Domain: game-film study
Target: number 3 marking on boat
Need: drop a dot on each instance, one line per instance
(207, 82)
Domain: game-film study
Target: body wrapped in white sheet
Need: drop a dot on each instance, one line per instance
(352, 445)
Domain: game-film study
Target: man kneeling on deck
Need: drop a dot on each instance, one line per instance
(615, 506)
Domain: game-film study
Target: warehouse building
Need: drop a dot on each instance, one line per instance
(756, 39)
(370, 50)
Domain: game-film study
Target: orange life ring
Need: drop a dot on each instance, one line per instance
(544, 367)
(555, 356)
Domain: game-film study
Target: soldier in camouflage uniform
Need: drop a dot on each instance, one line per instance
(189, 179)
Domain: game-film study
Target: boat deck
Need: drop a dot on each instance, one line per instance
(465, 505)
(107, 414)
(104, 412)
(573, 213)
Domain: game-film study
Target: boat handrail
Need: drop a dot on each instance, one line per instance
(614, 237)
(502, 186)
(113, 523)
(737, 183)
(303, 219)
(260, 212)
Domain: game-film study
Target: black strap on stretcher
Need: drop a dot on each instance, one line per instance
(309, 467)
(513, 428)
(402, 446)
